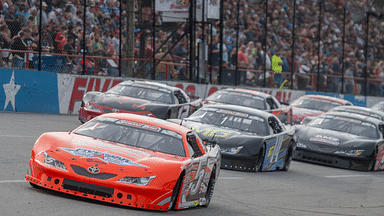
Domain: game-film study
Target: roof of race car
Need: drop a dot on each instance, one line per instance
(150, 121)
(353, 116)
(243, 109)
(249, 91)
(357, 109)
(145, 82)
(326, 98)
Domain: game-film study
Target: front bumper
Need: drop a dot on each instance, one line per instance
(331, 160)
(240, 163)
(144, 197)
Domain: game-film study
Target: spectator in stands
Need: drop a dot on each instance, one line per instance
(243, 63)
(106, 38)
(277, 67)
(19, 44)
(25, 12)
(46, 44)
(349, 80)
(116, 41)
(165, 68)
(69, 50)
(78, 18)
(44, 17)
(98, 50)
(56, 16)
(181, 55)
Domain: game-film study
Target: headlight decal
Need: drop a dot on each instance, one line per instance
(142, 181)
(350, 152)
(232, 150)
(50, 161)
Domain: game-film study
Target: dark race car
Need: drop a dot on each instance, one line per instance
(341, 139)
(139, 97)
(127, 160)
(250, 139)
(314, 105)
(351, 109)
(249, 98)
(379, 106)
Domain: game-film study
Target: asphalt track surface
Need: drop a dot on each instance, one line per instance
(306, 189)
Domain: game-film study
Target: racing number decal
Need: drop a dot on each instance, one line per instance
(199, 177)
(276, 149)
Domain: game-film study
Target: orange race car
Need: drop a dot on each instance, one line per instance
(128, 160)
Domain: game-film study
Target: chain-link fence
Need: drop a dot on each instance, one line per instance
(328, 46)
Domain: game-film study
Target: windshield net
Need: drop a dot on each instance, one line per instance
(134, 134)
(235, 98)
(146, 92)
(316, 104)
(231, 119)
(346, 125)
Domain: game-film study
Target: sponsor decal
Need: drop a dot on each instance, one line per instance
(244, 115)
(84, 85)
(209, 131)
(115, 110)
(256, 118)
(325, 140)
(104, 156)
(139, 125)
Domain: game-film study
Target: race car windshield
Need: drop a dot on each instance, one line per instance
(247, 100)
(152, 94)
(134, 134)
(230, 119)
(346, 125)
(316, 104)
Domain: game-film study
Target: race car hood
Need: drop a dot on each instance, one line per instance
(83, 152)
(328, 141)
(300, 113)
(128, 103)
(224, 136)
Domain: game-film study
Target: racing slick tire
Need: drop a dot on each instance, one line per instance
(34, 185)
(175, 193)
(168, 115)
(260, 159)
(372, 163)
(288, 158)
(211, 187)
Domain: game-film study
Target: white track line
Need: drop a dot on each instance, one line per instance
(346, 176)
(231, 178)
(18, 136)
(12, 181)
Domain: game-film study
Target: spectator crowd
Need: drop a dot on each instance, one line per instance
(260, 45)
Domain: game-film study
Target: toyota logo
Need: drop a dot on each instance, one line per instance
(93, 169)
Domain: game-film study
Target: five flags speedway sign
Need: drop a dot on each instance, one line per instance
(45, 92)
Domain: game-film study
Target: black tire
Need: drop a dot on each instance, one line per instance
(288, 158)
(260, 159)
(168, 115)
(211, 187)
(371, 165)
(175, 193)
(34, 185)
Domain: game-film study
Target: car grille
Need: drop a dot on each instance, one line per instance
(317, 159)
(83, 172)
(87, 188)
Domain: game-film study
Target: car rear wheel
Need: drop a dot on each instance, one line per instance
(34, 185)
(211, 187)
(372, 163)
(260, 159)
(168, 115)
(288, 158)
(175, 193)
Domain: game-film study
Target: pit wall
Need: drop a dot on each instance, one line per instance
(44, 92)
